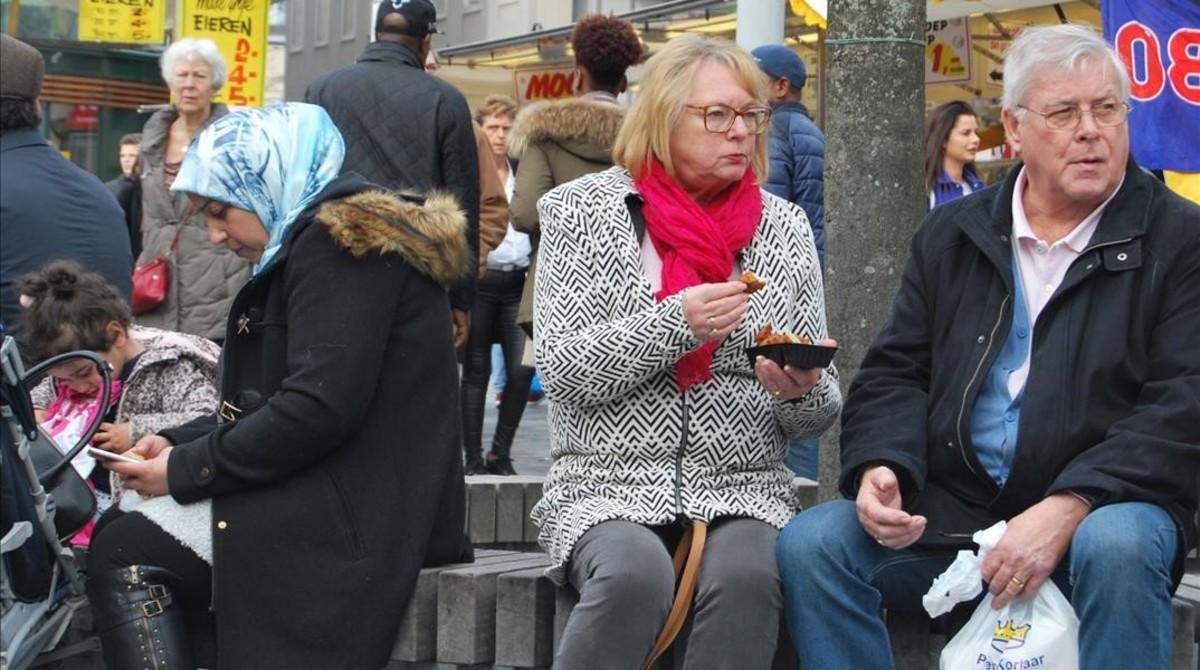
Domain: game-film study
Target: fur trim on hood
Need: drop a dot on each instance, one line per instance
(428, 235)
(583, 123)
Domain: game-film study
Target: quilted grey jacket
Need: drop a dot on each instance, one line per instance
(406, 131)
(204, 276)
(626, 443)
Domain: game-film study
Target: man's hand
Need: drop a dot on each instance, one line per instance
(114, 437)
(1033, 544)
(878, 505)
(462, 326)
(712, 311)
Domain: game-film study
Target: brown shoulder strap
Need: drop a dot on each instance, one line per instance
(687, 566)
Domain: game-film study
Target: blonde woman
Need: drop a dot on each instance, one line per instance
(660, 426)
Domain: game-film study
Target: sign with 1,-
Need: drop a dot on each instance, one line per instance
(129, 22)
(947, 51)
(239, 27)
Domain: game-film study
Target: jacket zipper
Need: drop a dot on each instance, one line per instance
(1106, 244)
(679, 461)
(962, 409)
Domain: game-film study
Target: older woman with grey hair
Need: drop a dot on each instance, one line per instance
(204, 278)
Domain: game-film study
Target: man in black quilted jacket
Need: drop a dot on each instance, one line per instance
(405, 130)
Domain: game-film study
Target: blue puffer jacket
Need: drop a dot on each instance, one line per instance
(797, 151)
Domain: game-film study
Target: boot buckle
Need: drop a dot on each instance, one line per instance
(152, 608)
(158, 591)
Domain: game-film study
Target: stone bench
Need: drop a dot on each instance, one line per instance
(498, 508)
(501, 611)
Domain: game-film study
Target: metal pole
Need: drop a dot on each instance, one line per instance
(874, 196)
(760, 22)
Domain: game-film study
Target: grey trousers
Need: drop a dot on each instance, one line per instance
(623, 573)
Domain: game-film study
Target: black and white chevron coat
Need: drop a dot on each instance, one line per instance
(626, 443)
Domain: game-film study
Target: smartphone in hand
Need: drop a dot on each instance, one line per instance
(100, 453)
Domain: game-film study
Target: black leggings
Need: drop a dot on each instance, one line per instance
(122, 539)
(494, 319)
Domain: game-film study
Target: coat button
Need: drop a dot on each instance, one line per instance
(205, 472)
(221, 525)
(981, 339)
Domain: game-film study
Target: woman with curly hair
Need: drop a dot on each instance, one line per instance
(558, 141)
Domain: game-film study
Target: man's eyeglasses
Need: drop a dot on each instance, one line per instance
(1106, 114)
(720, 118)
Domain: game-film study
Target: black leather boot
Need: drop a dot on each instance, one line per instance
(473, 465)
(500, 465)
(140, 624)
(499, 461)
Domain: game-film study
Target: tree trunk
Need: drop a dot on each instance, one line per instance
(874, 191)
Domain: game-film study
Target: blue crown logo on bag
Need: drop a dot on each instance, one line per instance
(1007, 636)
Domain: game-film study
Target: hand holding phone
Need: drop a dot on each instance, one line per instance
(100, 453)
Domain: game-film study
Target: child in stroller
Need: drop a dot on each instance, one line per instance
(160, 379)
(41, 588)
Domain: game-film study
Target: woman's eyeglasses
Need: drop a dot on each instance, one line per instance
(720, 118)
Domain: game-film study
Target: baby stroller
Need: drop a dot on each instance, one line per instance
(44, 501)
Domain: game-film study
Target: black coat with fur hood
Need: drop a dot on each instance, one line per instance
(334, 467)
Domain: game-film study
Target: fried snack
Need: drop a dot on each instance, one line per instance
(767, 335)
(752, 282)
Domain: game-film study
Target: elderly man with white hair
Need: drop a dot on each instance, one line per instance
(1039, 367)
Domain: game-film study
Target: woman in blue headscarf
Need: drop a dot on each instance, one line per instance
(332, 463)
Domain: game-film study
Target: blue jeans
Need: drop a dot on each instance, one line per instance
(804, 458)
(499, 377)
(836, 578)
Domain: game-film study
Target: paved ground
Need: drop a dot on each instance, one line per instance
(531, 448)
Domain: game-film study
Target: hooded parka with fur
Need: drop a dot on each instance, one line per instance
(557, 142)
(334, 468)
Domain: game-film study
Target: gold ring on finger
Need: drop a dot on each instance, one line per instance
(1016, 581)
(880, 541)
(712, 331)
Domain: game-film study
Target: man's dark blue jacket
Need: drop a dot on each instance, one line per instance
(1111, 408)
(51, 209)
(797, 153)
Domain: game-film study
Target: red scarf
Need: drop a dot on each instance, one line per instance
(697, 244)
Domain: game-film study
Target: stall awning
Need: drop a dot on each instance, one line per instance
(812, 11)
(487, 52)
(815, 12)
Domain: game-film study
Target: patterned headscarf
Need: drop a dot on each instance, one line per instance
(271, 161)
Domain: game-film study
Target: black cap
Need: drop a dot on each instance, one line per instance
(420, 15)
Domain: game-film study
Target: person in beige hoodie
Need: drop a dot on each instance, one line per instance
(558, 141)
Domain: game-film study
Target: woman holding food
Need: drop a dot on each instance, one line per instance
(664, 435)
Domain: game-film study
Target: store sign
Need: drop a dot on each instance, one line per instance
(947, 51)
(1159, 42)
(239, 27)
(545, 84)
(128, 21)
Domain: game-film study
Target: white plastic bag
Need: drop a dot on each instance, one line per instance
(1039, 632)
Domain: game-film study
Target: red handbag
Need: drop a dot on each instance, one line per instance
(152, 280)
